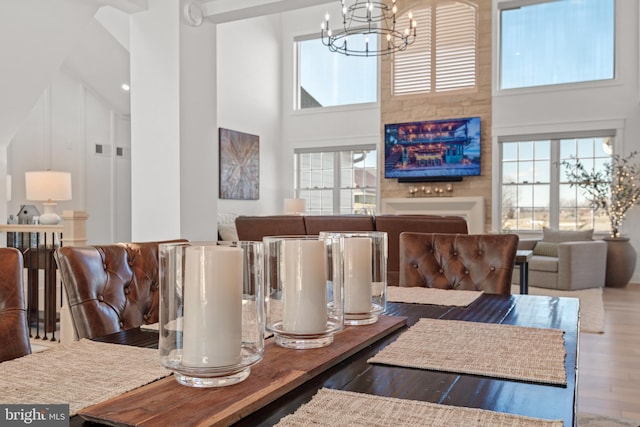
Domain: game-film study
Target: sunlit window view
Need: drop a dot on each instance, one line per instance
(555, 42)
(338, 182)
(535, 189)
(328, 79)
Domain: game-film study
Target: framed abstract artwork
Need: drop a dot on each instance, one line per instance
(239, 165)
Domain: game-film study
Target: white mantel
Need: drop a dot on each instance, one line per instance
(471, 208)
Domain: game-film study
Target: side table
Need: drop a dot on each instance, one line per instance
(522, 260)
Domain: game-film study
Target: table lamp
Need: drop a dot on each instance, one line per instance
(295, 206)
(48, 187)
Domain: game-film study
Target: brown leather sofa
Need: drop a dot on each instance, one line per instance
(110, 287)
(255, 228)
(474, 262)
(14, 333)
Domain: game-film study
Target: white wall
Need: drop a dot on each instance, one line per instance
(35, 38)
(582, 107)
(249, 91)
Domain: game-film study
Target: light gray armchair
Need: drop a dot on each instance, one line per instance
(559, 262)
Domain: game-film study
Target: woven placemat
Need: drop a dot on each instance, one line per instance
(337, 408)
(80, 374)
(435, 296)
(493, 350)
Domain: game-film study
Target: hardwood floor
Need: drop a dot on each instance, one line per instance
(609, 363)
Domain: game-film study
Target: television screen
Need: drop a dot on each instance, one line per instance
(436, 150)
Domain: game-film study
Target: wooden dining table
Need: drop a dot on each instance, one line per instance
(354, 373)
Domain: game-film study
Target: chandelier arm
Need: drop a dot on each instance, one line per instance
(363, 18)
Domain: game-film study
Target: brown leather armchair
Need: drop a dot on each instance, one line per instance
(110, 287)
(476, 262)
(14, 332)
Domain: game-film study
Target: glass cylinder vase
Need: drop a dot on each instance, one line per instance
(211, 311)
(304, 291)
(364, 274)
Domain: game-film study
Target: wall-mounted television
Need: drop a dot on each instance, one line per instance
(434, 150)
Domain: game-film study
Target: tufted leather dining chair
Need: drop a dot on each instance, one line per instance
(14, 332)
(476, 262)
(110, 287)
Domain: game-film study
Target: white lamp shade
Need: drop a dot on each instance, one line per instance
(48, 185)
(295, 206)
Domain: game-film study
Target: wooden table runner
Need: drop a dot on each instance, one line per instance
(493, 350)
(168, 403)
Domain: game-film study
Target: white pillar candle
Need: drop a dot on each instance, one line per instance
(305, 286)
(358, 273)
(212, 294)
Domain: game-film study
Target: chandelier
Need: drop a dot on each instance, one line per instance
(362, 19)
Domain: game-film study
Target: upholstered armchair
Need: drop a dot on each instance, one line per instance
(565, 260)
(475, 262)
(14, 332)
(110, 287)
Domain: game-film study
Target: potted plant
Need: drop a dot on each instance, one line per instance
(615, 189)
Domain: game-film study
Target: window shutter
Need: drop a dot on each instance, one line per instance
(456, 29)
(447, 62)
(412, 67)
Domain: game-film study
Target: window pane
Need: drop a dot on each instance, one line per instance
(356, 187)
(525, 150)
(540, 219)
(509, 172)
(328, 79)
(525, 172)
(542, 150)
(557, 42)
(530, 203)
(541, 172)
(510, 151)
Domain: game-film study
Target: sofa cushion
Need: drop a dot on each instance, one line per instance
(314, 224)
(546, 249)
(559, 236)
(255, 228)
(543, 263)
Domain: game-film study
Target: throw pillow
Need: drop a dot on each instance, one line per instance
(557, 236)
(546, 249)
(228, 232)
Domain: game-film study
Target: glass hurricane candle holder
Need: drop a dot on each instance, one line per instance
(211, 311)
(364, 274)
(304, 291)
